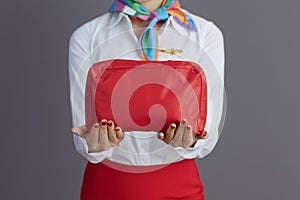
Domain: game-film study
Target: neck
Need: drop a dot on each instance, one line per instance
(151, 5)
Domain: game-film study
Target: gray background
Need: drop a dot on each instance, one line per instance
(257, 154)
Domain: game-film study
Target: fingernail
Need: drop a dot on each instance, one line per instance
(110, 123)
(204, 133)
(103, 123)
(184, 122)
(173, 126)
(97, 126)
(117, 129)
(161, 135)
(189, 127)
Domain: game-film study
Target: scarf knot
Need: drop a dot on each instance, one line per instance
(161, 14)
(149, 38)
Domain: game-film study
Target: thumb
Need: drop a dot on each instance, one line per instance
(203, 135)
(80, 131)
(160, 135)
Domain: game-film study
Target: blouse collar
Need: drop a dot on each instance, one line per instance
(117, 16)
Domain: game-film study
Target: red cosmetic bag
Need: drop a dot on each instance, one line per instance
(146, 95)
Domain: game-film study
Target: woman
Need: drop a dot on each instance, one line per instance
(119, 163)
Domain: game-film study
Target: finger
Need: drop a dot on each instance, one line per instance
(111, 132)
(177, 140)
(80, 131)
(188, 137)
(160, 135)
(103, 133)
(195, 140)
(103, 125)
(103, 129)
(94, 134)
(170, 133)
(203, 135)
(119, 133)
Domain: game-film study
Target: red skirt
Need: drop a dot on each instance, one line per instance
(179, 180)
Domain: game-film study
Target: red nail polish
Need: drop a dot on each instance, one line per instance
(117, 129)
(97, 126)
(103, 123)
(204, 133)
(173, 126)
(110, 123)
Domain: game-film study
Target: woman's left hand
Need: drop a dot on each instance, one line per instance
(183, 136)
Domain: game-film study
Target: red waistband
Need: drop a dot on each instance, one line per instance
(179, 180)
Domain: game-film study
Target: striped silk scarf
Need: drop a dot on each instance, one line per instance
(149, 38)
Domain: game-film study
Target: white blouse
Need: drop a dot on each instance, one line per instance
(111, 36)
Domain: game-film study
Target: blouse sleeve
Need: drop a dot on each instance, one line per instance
(213, 48)
(78, 64)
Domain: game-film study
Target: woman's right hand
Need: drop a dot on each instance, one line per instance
(102, 136)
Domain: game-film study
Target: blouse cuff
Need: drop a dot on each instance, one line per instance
(201, 149)
(94, 157)
(191, 152)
